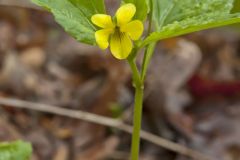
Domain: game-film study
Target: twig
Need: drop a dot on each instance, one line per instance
(19, 3)
(93, 118)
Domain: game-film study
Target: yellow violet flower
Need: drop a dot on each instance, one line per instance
(118, 34)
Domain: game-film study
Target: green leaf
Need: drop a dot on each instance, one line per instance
(75, 16)
(175, 10)
(89, 7)
(141, 8)
(186, 16)
(15, 151)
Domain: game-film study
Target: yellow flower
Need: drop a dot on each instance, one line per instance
(120, 33)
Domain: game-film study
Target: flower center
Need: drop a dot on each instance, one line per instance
(118, 33)
(117, 29)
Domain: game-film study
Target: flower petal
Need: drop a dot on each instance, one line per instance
(102, 20)
(134, 29)
(125, 13)
(120, 45)
(102, 37)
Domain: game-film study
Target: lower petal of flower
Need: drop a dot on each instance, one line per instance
(102, 37)
(134, 29)
(120, 45)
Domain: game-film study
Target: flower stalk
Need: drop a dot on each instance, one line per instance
(138, 83)
(137, 121)
(138, 104)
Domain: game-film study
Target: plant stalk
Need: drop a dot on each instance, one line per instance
(137, 121)
(138, 103)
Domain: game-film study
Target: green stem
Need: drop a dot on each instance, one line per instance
(138, 84)
(146, 60)
(150, 47)
(137, 123)
(150, 18)
(135, 72)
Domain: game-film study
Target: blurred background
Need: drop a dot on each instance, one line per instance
(192, 93)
